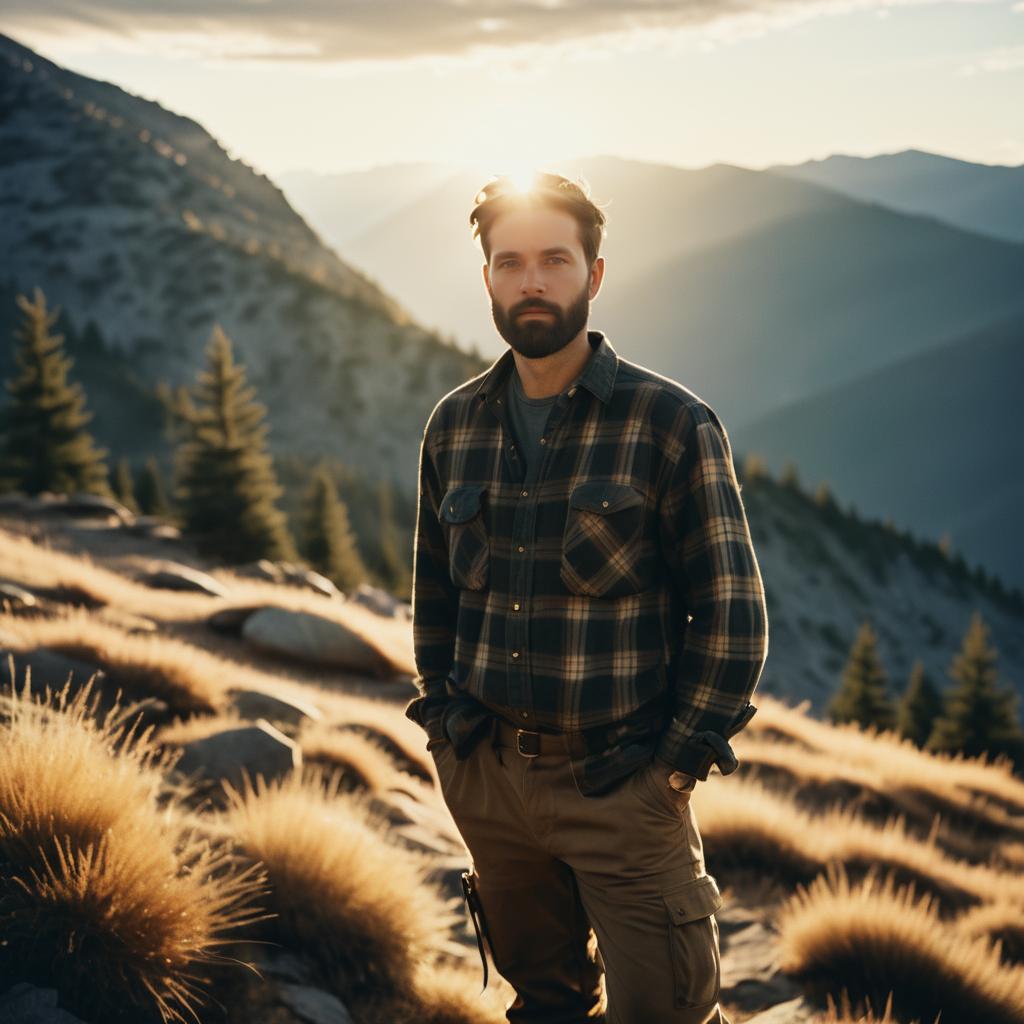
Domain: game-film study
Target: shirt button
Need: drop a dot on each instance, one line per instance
(515, 607)
(524, 714)
(515, 654)
(604, 504)
(520, 549)
(572, 391)
(524, 494)
(543, 440)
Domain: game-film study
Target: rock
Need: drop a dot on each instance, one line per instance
(155, 527)
(258, 749)
(17, 599)
(47, 668)
(174, 576)
(253, 704)
(231, 620)
(380, 602)
(315, 639)
(750, 978)
(15, 501)
(289, 574)
(26, 1004)
(795, 1011)
(82, 506)
(314, 1005)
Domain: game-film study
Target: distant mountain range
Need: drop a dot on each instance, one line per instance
(977, 197)
(766, 294)
(136, 219)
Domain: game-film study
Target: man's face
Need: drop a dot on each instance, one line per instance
(537, 263)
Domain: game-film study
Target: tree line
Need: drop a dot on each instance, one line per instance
(224, 495)
(975, 715)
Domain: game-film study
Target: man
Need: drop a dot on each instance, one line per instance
(589, 625)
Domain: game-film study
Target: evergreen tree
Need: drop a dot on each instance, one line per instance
(225, 483)
(44, 445)
(125, 488)
(862, 695)
(919, 707)
(392, 568)
(150, 490)
(978, 716)
(328, 543)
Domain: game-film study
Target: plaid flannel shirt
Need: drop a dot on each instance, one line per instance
(611, 591)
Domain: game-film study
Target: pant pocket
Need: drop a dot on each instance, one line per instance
(693, 938)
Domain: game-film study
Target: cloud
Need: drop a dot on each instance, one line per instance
(374, 30)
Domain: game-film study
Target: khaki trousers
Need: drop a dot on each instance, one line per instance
(596, 908)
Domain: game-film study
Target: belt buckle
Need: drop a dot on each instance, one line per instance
(519, 742)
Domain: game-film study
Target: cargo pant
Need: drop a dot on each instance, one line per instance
(595, 908)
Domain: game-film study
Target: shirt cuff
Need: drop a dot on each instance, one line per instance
(426, 712)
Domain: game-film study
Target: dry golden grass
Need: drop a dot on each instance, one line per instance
(893, 760)
(103, 896)
(749, 827)
(443, 994)
(352, 903)
(361, 762)
(874, 938)
(1001, 922)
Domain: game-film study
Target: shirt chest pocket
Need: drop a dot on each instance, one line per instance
(462, 514)
(603, 547)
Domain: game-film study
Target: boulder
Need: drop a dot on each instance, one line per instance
(227, 756)
(175, 576)
(231, 620)
(315, 639)
(46, 668)
(253, 705)
(26, 1004)
(314, 1004)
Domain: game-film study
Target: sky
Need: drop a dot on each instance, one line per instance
(336, 85)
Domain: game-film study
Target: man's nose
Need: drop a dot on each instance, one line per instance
(533, 280)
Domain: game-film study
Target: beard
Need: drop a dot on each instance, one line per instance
(537, 338)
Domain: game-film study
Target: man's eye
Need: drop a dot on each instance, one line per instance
(561, 259)
(505, 263)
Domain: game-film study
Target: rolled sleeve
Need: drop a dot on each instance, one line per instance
(707, 545)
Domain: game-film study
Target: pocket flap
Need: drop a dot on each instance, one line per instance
(461, 504)
(595, 496)
(694, 900)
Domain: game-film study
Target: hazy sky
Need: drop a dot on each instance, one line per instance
(347, 84)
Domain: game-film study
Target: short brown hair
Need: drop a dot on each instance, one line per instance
(503, 194)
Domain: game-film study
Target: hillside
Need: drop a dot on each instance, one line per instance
(137, 220)
(852, 865)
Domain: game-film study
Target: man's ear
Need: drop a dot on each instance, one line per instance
(487, 278)
(596, 276)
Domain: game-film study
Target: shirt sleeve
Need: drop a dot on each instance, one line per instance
(435, 602)
(706, 543)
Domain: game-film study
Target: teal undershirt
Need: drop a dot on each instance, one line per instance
(528, 417)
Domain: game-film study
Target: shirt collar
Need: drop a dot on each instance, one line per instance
(598, 376)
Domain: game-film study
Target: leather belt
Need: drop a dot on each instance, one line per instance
(529, 743)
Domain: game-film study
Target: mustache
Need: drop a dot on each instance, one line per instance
(522, 307)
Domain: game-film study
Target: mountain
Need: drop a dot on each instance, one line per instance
(985, 198)
(937, 434)
(136, 219)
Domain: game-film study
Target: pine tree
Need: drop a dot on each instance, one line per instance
(862, 695)
(125, 486)
(978, 716)
(150, 490)
(225, 483)
(919, 707)
(44, 445)
(328, 542)
(394, 572)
